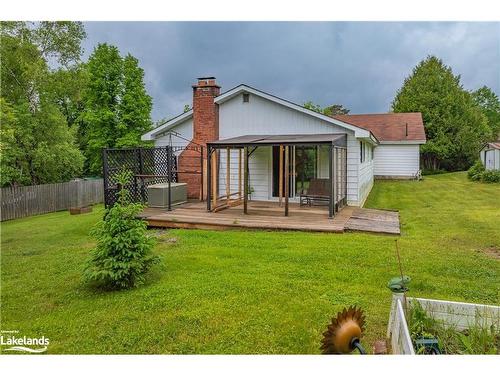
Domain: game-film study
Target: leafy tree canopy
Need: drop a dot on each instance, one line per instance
(489, 103)
(37, 145)
(117, 106)
(455, 126)
(331, 110)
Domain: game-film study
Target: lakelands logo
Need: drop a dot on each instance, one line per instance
(12, 341)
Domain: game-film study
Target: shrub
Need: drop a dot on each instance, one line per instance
(474, 173)
(122, 255)
(478, 173)
(491, 176)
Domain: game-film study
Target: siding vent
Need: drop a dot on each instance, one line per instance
(246, 97)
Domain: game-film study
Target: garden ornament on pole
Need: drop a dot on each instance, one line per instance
(344, 333)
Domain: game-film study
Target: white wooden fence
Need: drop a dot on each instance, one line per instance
(397, 329)
(23, 201)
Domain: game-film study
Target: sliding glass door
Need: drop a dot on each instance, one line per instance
(303, 166)
(306, 167)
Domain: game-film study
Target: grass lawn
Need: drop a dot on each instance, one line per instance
(252, 292)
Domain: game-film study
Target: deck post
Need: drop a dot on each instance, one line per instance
(245, 182)
(240, 190)
(335, 179)
(287, 149)
(215, 178)
(169, 180)
(209, 177)
(280, 185)
(228, 174)
(330, 182)
(201, 174)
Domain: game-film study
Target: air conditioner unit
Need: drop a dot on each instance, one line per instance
(158, 194)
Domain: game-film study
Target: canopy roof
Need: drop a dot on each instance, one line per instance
(339, 140)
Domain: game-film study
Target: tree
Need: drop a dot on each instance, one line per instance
(123, 254)
(37, 145)
(117, 106)
(331, 110)
(489, 103)
(101, 99)
(335, 109)
(455, 126)
(135, 105)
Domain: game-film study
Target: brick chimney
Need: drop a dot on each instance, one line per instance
(205, 111)
(205, 129)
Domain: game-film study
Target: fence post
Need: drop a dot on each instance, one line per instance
(141, 172)
(105, 177)
(169, 174)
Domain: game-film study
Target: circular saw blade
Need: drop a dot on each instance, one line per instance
(344, 329)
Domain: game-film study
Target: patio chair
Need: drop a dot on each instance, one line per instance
(317, 193)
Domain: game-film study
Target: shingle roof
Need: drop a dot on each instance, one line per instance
(494, 145)
(389, 126)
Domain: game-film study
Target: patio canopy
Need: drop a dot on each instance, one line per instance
(247, 144)
(339, 140)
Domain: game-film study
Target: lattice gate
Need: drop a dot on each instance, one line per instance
(147, 166)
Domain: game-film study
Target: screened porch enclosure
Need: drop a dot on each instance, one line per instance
(307, 169)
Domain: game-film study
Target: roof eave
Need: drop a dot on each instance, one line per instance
(404, 142)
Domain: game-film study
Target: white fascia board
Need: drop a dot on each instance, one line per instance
(152, 134)
(402, 142)
(358, 132)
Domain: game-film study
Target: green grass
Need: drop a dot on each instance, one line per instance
(252, 292)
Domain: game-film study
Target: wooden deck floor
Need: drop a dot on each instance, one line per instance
(269, 216)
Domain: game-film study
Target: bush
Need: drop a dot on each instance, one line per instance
(478, 173)
(491, 176)
(122, 256)
(474, 173)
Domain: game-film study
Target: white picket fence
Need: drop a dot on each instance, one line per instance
(23, 201)
(453, 314)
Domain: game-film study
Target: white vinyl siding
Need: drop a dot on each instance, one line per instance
(185, 130)
(365, 179)
(397, 160)
(258, 164)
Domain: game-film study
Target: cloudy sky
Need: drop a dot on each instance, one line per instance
(357, 64)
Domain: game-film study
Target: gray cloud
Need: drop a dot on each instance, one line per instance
(357, 64)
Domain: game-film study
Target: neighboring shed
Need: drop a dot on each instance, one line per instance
(490, 155)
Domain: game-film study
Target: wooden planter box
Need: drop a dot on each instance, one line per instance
(456, 314)
(80, 210)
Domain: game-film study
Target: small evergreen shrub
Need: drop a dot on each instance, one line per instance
(123, 255)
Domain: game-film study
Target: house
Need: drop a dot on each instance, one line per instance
(365, 146)
(490, 155)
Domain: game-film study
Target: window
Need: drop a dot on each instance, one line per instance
(246, 98)
(361, 152)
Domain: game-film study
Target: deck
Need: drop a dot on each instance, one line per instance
(269, 216)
